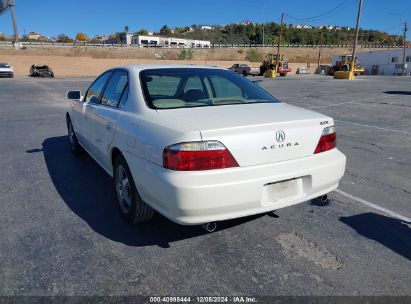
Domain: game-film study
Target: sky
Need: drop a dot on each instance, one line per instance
(96, 17)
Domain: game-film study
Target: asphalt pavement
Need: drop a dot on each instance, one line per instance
(61, 232)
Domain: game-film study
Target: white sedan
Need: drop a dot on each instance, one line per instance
(201, 144)
(6, 70)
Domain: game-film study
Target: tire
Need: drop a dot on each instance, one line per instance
(262, 70)
(245, 73)
(76, 148)
(132, 207)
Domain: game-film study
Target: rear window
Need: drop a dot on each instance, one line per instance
(198, 87)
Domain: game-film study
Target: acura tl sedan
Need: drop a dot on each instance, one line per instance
(200, 144)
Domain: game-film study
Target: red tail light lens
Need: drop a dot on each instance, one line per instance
(198, 156)
(328, 140)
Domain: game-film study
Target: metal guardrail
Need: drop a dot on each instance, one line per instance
(72, 44)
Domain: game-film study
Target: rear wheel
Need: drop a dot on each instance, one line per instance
(262, 70)
(245, 73)
(132, 207)
(76, 148)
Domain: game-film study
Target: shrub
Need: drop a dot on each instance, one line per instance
(186, 54)
(254, 56)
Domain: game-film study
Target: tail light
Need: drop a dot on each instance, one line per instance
(328, 140)
(202, 155)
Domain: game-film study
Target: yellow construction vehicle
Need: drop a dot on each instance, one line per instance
(344, 63)
(270, 62)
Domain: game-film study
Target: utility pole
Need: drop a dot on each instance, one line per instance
(319, 52)
(13, 16)
(263, 35)
(279, 43)
(405, 47)
(262, 14)
(357, 30)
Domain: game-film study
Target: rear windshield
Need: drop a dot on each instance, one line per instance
(198, 87)
(4, 65)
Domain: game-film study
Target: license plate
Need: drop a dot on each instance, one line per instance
(279, 191)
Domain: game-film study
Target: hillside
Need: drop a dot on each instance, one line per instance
(253, 34)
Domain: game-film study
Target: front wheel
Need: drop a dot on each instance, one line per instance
(132, 207)
(76, 148)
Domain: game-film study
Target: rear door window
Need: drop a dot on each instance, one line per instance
(114, 89)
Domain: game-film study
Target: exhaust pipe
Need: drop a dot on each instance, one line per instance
(210, 227)
(324, 198)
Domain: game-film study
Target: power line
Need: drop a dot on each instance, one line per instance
(341, 6)
(393, 27)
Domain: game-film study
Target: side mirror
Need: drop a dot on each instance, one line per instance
(74, 95)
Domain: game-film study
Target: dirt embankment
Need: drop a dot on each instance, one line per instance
(90, 61)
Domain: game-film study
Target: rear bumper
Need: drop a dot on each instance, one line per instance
(207, 196)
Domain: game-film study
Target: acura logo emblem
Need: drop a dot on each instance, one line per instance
(280, 136)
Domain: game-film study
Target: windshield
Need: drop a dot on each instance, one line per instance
(198, 87)
(4, 65)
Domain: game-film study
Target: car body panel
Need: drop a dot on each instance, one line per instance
(251, 138)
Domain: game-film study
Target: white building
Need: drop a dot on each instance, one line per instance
(386, 62)
(144, 40)
(126, 38)
(206, 27)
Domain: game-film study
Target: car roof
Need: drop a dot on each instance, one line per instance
(141, 67)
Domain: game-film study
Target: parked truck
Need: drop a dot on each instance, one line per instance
(244, 69)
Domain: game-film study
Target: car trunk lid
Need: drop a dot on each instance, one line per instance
(257, 134)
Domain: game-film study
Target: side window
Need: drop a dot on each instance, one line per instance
(93, 93)
(114, 89)
(124, 97)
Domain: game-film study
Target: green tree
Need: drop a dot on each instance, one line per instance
(165, 31)
(64, 38)
(142, 31)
